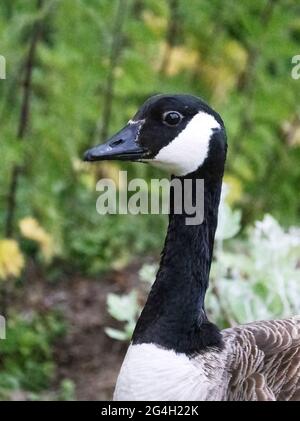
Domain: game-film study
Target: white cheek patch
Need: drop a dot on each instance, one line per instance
(187, 152)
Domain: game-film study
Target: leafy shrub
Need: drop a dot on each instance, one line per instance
(96, 243)
(257, 277)
(26, 359)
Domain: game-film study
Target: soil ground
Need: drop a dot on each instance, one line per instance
(86, 355)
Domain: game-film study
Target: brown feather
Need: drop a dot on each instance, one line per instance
(265, 360)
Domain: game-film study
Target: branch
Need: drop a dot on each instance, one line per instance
(171, 36)
(115, 52)
(23, 123)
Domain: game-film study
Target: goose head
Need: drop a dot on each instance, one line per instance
(178, 133)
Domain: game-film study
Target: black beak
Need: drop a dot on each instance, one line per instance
(122, 146)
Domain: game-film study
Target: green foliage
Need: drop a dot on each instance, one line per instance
(99, 242)
(26, 358)
(237, 56)
(223, 53)
(66, 391)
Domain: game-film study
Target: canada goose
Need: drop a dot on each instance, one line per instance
(176, 353)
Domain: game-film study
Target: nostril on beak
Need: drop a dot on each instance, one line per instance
(115, 143)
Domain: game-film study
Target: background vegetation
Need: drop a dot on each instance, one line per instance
(76, 71)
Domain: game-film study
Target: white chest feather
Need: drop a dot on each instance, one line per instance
(189, 149)
(152, 373)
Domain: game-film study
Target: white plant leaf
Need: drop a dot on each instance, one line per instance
(148, 273)
(116, 334)
(229, 223)
(123, 307)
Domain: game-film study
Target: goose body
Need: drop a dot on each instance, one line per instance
(176, 353)
(260, 362)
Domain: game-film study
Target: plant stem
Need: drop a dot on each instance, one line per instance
(171, 35)
(23, 124)
(115, 53)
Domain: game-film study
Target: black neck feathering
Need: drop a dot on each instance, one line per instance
(174, 316)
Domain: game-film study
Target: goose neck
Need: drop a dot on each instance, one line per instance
(174, 316)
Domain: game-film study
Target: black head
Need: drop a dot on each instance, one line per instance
(175, 132)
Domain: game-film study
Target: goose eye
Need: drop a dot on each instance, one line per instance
(172, 118)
